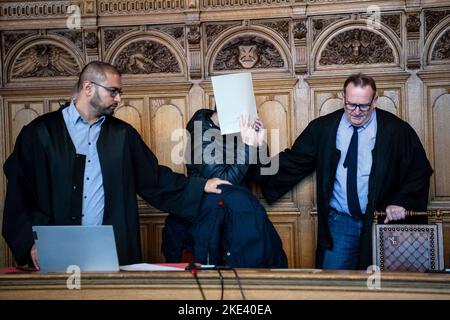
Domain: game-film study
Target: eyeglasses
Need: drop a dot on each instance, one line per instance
(362, 107)
(112, 90)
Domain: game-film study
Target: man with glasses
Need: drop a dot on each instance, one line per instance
(81, 166)
(365, 159)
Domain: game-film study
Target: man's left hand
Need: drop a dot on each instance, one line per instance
(394, 213)
(212, 184)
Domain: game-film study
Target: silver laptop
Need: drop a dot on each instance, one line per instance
(91, 248)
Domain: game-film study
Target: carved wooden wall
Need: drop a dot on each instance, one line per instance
(299, 53)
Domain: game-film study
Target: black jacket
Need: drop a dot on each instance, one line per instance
(45, 183)
(224, 157)
(399, 176)
(231, 228)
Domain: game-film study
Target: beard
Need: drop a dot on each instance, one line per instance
(101, 108)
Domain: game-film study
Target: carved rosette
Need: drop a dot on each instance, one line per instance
(193, 35)
(413, 23)
(145, 57)
(91, 40)
(44, 60)
(356, 46)
(248, 52)
(300, 30)
(441, 50)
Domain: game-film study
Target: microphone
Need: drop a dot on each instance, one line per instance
(192, 266)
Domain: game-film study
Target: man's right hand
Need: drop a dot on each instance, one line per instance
(212, 184)
(34, 256)
(252, 134)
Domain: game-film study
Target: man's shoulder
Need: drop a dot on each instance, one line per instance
(45, 120)
(388, 117)
(119, 125)
(327, 120)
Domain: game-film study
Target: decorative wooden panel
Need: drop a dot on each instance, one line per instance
(22, 113)
(441, 146)
(130, 114)
(287, 227)
(275, 117)
(165, 119)
(151, 237)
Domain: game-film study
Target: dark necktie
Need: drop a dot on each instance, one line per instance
(351, 163)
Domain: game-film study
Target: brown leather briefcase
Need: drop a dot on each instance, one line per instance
(408, 247)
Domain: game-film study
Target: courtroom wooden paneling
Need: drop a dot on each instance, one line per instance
(299, 53)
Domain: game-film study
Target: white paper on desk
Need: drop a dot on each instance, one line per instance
(234, 96)
(148, 267)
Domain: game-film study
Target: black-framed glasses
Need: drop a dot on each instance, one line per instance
(112, 90)
(362, 107)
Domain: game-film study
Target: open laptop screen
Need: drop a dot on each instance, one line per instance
(91, 248)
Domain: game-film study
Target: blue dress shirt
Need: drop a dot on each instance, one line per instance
(366, 142)
(84, 138)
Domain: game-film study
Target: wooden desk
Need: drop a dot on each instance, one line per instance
(257, 284)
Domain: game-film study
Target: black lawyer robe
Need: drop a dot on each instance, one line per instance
(45, 183)
(399, 175)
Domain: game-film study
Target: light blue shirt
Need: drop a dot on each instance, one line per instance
(84, 138)
(366, 142)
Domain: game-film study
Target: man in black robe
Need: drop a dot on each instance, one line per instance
(79, 165)
(386, 171)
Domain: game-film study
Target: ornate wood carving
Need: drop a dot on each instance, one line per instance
(285, 101)
(75, 36)
(177, 32)
(413, 37)
(195, 55)
(112, 34)
(413, 23)
(441, 50)
(145, 57)
(26, 10)
(321, 23)
(356, 46)
(300, 30)
(213, 31)
(213, 4)
(248, 52)
(124, 7)
(193, 35)
(280, 27)
(92, 44)
(44, 60)
(433, 17)
(10, 38)
(91, 40)
(392, 21)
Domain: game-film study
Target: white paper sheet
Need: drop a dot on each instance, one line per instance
(148, 267)
(234, 96)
